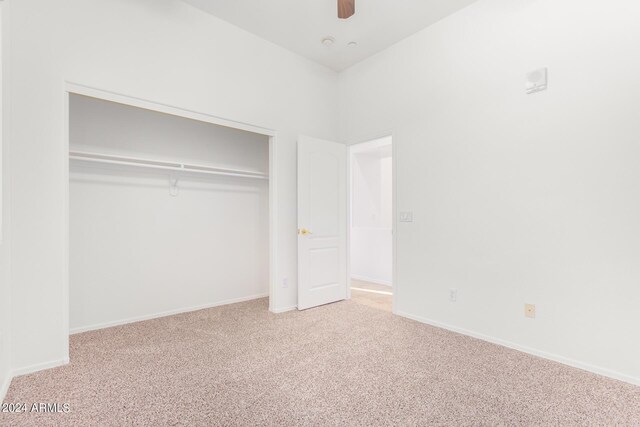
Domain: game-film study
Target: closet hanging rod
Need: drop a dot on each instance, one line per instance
(163, 165)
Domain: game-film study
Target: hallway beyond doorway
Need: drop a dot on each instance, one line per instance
(372, 295)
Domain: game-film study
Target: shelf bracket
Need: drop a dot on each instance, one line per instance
(173, 180)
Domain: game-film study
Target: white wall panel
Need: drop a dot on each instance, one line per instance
(516, 198)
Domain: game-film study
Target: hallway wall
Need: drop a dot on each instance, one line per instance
(372, 212)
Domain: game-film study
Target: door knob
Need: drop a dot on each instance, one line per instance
(304, 232)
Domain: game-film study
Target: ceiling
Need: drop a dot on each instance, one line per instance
(300, 25)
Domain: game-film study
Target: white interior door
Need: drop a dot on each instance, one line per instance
(322, 222)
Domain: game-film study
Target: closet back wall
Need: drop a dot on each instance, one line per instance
(137, 252)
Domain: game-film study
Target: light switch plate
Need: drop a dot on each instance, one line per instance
(406, 216)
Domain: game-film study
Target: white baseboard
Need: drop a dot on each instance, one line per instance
(371, 280)
(39, 367)
(4, 387)
(284, 309)
(163, 314)
(554, 357)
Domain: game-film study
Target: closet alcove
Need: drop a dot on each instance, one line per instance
(166, 214)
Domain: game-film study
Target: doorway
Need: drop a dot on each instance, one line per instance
(371, 223)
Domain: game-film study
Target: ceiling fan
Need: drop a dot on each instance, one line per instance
(346, 8)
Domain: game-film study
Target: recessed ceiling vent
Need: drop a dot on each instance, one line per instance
(328, 41)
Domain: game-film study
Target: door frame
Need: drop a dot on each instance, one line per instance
(394, 238)
(71, 88)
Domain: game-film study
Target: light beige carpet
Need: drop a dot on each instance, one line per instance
(338, 365)
(360, 295)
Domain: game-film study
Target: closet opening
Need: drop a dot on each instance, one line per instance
(169, 211)
(371, 223)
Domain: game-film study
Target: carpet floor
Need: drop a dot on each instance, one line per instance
(342, 364)
(360, 294)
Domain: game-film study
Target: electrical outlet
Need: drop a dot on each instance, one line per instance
(530, 311)
(453, 295)
(285, 282)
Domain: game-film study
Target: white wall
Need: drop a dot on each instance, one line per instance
(516, 199)
(163, 51)
(5, 229)
(136, 251)
(371, 212)
(5, 290)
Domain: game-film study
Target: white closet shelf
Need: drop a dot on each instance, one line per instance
(161, 164)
